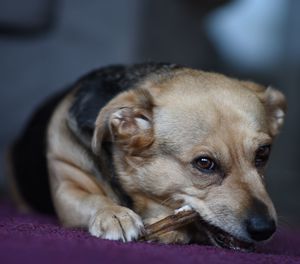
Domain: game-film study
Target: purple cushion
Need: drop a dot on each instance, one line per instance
(39, 239)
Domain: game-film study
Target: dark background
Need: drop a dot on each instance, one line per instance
(47, 44)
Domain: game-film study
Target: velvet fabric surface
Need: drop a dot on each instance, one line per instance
(34, 238)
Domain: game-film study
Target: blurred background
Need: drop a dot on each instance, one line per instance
(47, 44)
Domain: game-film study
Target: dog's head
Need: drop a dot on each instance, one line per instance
(203, 140)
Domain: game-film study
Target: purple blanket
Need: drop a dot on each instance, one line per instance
(39, 239)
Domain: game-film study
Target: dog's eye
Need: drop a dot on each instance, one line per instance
(205, 164)
(262, 155)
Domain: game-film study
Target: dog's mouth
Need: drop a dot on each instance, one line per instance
(219, 237)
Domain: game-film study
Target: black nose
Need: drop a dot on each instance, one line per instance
(260, 228)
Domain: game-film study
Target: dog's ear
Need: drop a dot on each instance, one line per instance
(126, 121)
(275, 105)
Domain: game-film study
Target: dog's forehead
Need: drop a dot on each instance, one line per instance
(194, 107)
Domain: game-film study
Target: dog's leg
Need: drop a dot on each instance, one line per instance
(81, 202)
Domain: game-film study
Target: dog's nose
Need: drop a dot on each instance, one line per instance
(260, 228)
(260, 224)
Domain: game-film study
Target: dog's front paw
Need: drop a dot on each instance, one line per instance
(116, 223)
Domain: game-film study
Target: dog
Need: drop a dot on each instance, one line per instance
(125, 146)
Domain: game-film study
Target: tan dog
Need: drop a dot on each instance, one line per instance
(129, 145)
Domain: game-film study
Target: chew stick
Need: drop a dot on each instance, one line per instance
(170, 223)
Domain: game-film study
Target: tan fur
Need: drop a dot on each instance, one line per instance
(157, 130)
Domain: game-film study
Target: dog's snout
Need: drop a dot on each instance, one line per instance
(260, 228)
(259, 224)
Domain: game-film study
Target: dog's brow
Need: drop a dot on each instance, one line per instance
(168, 147)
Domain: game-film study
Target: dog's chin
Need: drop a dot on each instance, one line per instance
(218, 237)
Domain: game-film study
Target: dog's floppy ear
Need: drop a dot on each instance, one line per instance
(126, 121)
(275, 105)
